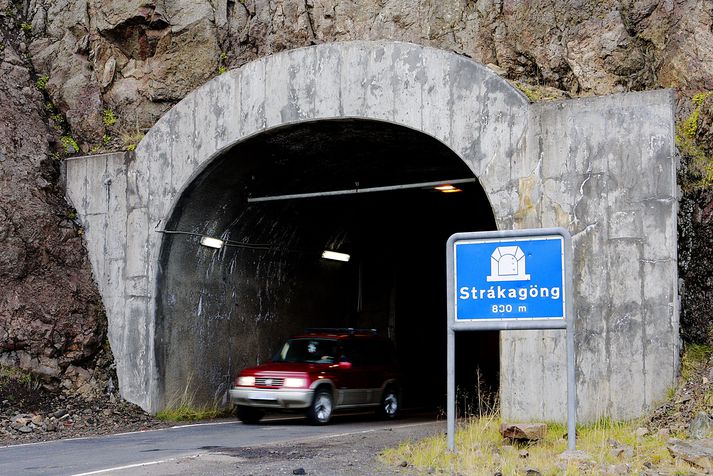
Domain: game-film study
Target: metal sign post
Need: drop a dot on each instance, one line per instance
(510, 280)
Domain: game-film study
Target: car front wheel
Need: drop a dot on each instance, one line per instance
(320, 411)
(389, 406)
(249, 415)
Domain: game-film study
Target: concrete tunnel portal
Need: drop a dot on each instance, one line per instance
(222, 310)
(182, 318)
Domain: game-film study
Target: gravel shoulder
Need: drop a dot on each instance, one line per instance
(54, 417)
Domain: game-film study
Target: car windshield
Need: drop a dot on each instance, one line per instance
(313, 351)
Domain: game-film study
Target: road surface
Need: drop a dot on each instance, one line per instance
(125, 453)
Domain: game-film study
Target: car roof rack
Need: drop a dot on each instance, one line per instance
(340, 330)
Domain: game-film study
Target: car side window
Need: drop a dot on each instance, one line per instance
(353, 352)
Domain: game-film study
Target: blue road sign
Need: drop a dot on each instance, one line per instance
(510, 278)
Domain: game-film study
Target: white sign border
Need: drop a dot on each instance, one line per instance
(520, 238)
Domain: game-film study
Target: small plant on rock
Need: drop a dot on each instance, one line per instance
(701, 164)
(131, 140)
(70, 145)
(108, 117)
(41, 82)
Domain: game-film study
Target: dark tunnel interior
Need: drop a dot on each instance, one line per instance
(223, 310)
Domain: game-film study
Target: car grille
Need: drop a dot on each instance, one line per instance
(269, 381)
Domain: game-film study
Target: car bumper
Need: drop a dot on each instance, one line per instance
(271, 398)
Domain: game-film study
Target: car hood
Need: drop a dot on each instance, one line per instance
(287, 367)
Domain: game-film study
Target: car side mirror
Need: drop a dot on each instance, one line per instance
(345, 365)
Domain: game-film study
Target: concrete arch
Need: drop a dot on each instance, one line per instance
(479, 116)
(557, 164)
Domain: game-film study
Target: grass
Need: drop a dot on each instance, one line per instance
(190, 413)
(482, 450)
(182, 408)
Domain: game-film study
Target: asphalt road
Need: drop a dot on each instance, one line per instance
(121, 452)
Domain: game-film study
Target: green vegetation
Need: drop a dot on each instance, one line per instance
(26, 28)
(482, 450)
(14, 377)
(182, 408)
(69, 144)
(131, 140)
(108, 117)
(41, 82)
(694, 356)
(106, 139)
(535, 93)
(189, 413)
(700, 164)
(13, 373)
(221, 63)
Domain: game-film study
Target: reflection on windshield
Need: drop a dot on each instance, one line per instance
(313, 351)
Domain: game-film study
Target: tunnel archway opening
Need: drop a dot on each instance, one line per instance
(222, 310)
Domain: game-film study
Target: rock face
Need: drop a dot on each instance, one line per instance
(51, 316)
(135, 59)
(138, 58)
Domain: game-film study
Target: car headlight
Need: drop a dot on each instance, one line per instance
(295, 382)
(246, 381)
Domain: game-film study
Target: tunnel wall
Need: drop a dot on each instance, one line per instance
(539, 165)
(603, 168)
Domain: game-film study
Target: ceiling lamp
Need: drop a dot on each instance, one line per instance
(447, 188)
(209, 242)
(333, 255)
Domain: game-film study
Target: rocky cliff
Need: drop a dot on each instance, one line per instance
(95, 74)
(51, 318)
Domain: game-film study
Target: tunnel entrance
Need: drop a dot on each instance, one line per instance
(223, 310)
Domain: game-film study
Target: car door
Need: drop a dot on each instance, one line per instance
(354, 380)
(375, 368)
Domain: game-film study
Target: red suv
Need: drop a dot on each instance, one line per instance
(321, 371)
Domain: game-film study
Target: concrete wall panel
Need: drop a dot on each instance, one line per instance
(600, 158)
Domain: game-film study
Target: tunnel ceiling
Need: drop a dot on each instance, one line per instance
(344, 154)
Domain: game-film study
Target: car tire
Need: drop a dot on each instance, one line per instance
(249, 415)
(320, 410)
(390, 403)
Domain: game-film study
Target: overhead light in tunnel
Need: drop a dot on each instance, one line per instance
(333, 255)
(447, 188)
(212, 242)
(354, 191)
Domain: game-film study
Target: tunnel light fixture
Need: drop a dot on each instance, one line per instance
(209, 242)
(354, 191)
(447, 188)
(333, 255)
